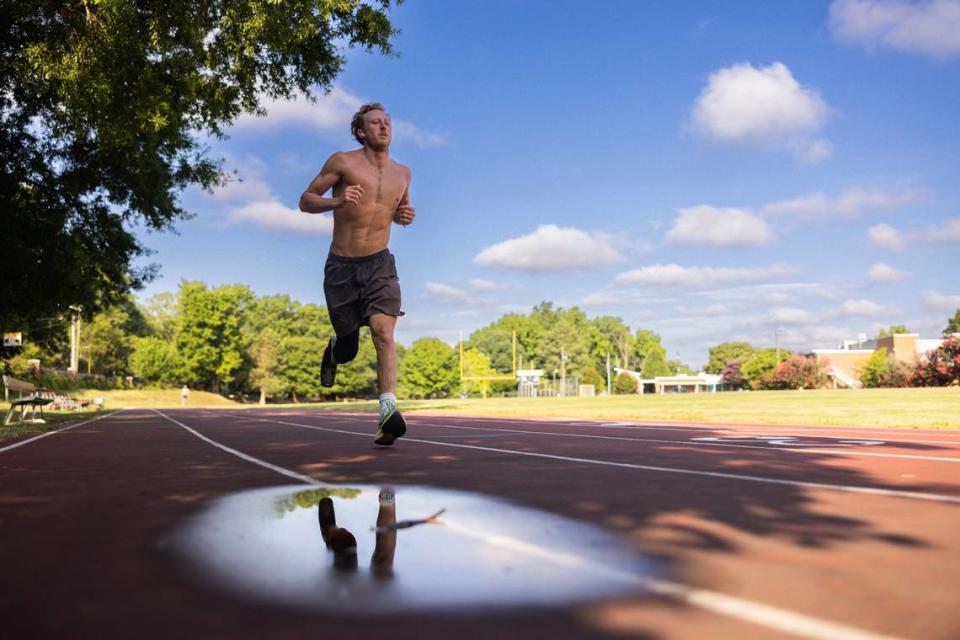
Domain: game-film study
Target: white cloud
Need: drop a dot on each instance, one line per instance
(931, 28)
(881, 272)
(674, 275)
(704, 224)
(850, 204)
(600, 298)
(813, 151)
(948, 231)
(479, 284)
(551, 248)
(791, 315)
(244, 180)
(747, 105)
(717, 309)
(941, 301)
(274, 215)
(446, 292)
(885, 237)
(331, 112)
(862, 307)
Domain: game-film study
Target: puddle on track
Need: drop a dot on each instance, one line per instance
(268, 545)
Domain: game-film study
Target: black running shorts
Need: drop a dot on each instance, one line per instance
(357, 288)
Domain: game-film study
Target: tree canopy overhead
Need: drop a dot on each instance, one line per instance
(103, 105)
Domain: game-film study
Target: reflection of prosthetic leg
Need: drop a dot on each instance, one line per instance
(340, 541)
(381, 563)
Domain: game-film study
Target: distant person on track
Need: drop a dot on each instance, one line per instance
(184, 395)
(370, 191)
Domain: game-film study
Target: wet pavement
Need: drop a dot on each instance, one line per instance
(367, 550)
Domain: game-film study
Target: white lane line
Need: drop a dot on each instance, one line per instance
(243, 456)
(741, 609)
(831, 432)
(51, 433)
(824, 450)
(731, 606)
(913, 495)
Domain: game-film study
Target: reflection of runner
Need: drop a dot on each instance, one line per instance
(360, 283)
(381, 563)
(344, 546)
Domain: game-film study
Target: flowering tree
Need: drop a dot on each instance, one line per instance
(940, 368)
(731, 374)
(798, 372)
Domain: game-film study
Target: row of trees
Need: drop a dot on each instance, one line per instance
(228, 340)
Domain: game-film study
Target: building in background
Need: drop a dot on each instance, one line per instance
(844, 365)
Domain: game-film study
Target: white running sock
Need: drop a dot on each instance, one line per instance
(388, 402)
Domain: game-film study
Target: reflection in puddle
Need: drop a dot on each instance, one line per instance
(374, 550)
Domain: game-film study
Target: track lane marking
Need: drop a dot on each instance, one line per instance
(742, 609)
(697, 443)
(912, 495)
(257, 461)
(655, 426)
(61, 430)
(757, 428)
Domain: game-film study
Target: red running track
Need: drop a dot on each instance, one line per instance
(764, 532)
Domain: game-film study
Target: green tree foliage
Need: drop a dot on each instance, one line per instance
(613, 337)
(655, 364)
(624, 383)
(210, 341)
(107, 340)
(160, 312)
(876, 369)
(953, 325)
(592, 376)
(103, 113)
(759, 367)
(429, 370)
(266, 375)
(154, 359)
(676, 366)
(477, 364)
(893, 330)
(725, 352)
(300, 358)
(645, 344)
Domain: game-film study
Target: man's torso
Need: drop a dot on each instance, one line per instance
(364, 229)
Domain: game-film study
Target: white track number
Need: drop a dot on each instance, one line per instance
(788, 441)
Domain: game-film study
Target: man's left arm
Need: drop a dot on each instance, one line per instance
(405, 212)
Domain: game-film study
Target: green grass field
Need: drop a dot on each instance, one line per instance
(906, 408)
(937, 408)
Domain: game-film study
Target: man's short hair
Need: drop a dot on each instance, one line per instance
(357, 123)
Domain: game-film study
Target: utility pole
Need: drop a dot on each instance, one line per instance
(779, 329)
(75, 341)
(563, 371)
(463, 383)
(608, 373)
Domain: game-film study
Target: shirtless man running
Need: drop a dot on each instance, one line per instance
(370, 191)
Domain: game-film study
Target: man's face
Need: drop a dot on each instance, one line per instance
(377, 129)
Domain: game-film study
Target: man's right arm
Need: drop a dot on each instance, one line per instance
(313, 201)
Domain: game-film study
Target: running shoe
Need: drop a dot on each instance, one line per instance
(328, 368)
(391, 427)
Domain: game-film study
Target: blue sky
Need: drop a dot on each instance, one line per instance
(710, 171)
